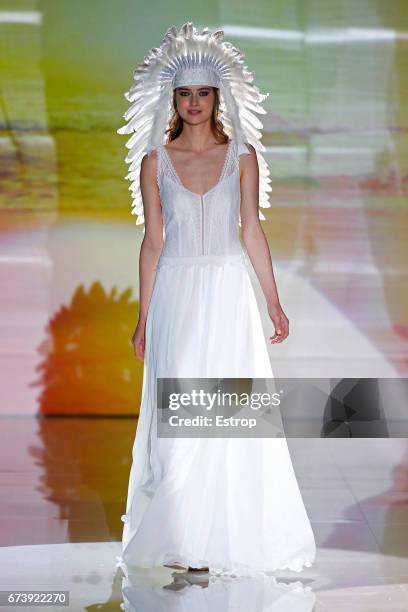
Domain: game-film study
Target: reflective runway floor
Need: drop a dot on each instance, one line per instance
(61, 501)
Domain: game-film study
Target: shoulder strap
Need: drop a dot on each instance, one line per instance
(159, 165)
(242, 149)
(230, 162)
(239, 149)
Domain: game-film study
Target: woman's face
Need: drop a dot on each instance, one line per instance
(195, 103)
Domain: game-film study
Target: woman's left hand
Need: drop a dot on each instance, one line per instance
(280, 321)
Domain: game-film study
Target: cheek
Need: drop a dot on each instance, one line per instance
(207, 103)
(182, 102)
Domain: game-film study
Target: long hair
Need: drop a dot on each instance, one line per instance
(176, 122)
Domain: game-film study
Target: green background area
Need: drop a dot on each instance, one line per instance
(331, 91)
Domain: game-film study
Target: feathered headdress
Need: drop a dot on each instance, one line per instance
(187, 57)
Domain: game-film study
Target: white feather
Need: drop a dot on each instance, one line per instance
(149, 114)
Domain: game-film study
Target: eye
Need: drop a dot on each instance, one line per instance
(201, 93)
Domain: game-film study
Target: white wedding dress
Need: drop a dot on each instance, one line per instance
(231, 504)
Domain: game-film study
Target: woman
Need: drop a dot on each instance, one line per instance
(228, 506)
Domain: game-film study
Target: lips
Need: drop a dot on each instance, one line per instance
(194, 112)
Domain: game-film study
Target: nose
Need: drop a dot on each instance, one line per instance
(194, 99)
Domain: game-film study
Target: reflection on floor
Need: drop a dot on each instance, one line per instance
(62, 492)
(339, 579)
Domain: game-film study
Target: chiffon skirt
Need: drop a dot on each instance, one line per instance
(230, 504)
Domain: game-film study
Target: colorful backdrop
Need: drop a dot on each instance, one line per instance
(336, 138)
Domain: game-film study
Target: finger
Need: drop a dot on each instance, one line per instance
(279, 331)
(278, 340)
(279, 336)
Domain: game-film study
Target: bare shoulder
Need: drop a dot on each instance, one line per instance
(148, 165)
(148, 172)
(149, 160)
(249, 156)
(251, 149)
(248, 162)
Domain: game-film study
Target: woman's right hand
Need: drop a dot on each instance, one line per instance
(138, 340)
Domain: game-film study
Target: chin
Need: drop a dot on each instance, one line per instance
(195, 118)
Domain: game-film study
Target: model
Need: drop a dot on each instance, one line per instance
(223, 505)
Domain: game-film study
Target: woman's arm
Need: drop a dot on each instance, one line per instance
(151, 246)
(256, 244)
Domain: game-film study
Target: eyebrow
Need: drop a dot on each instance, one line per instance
(200, 88)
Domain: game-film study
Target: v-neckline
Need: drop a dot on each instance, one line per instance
(180, 182)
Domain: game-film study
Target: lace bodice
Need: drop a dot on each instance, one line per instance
(206, 224)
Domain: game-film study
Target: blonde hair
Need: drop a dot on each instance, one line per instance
(176, 122)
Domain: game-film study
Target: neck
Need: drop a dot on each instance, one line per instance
(197, 138)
